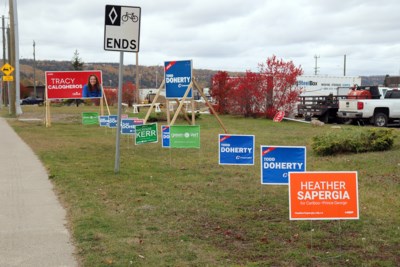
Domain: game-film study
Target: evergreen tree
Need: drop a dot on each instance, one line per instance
(77, 63)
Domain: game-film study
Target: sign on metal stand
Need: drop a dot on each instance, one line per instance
(121, 33)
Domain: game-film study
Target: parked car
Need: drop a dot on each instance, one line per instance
(30, 100)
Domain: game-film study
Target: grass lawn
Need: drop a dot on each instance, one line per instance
(178, 207)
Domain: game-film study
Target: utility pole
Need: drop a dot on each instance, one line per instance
(156, 76)
(137, 79)
(2, 92)
(7, 98)
(316, 64)
(344, 66)
(16, 107)
(34, 71)
(12, 87)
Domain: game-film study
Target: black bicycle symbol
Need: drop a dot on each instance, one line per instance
(131, 16)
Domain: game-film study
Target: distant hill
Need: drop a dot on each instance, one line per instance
(148, 74)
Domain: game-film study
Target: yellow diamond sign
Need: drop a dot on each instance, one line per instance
(7, 69)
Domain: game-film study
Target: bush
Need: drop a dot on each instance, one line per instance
(162, 116)
(355, 140)
(157, 117)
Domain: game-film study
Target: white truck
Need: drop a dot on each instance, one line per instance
(379, 112)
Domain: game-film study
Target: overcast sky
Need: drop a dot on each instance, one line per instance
(231, 35)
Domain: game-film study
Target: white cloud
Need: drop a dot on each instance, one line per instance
(227, 35)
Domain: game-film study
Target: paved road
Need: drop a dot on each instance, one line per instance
(32, 221)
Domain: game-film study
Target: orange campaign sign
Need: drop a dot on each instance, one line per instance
(323, 196)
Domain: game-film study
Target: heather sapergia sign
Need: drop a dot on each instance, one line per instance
(165, 135)
(146, 133)
(182, 136)
(278, 161)
(122, 28)
(73, 84)
(90, 118)
(178, 76)
(236, 149)
(323, 195)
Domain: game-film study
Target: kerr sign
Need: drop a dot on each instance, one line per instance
(323, 195)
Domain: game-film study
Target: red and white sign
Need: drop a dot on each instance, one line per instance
(68, 84)
(279, 116)
(323, 196)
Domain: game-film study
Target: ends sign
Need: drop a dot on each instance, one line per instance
(122, 28)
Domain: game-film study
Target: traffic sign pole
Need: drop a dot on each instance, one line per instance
(118, 138)
(121, 33)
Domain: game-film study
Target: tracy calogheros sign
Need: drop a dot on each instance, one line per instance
(68, 84)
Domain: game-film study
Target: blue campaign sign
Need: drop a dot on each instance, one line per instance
(127, 126)
(236, 149)
(165, 135)
(103, 121)
(178, 76)
(278, 161)
(112, 121)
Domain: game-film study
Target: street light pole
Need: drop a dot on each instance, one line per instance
(156, 77)
(34, 70)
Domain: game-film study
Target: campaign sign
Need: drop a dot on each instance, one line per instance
(182, 136)
(178, 76)
(279, 116)
(146, 133)
(138, 121)
(165, 135)
(90, 118)
(127, 126)
(278, 161)
(70, 84)
(103, 121)
(323, 196)
(236, 149)
(112, 121)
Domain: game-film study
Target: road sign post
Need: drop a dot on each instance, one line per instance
(121, 33)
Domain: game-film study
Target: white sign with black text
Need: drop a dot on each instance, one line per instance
(122, 28)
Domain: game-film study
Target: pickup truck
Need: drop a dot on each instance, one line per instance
(325, 107)
(379, 112)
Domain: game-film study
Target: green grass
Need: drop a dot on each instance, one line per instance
(178, 207)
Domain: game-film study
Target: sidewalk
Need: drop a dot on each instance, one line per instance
(32, 221)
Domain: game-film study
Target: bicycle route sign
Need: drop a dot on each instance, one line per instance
(122, 28)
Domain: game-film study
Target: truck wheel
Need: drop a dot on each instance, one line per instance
(380, 120)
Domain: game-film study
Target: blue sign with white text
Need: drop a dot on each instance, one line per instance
(165, 135)
(127, 126)
(103, 121)
(236, 149)
(178, 76)
(112, 121)
(278, 161)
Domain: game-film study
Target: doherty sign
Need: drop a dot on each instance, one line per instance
(122, 28)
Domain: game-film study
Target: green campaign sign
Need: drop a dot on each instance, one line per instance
(182, 136)
(90, 118)
(146, 133)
